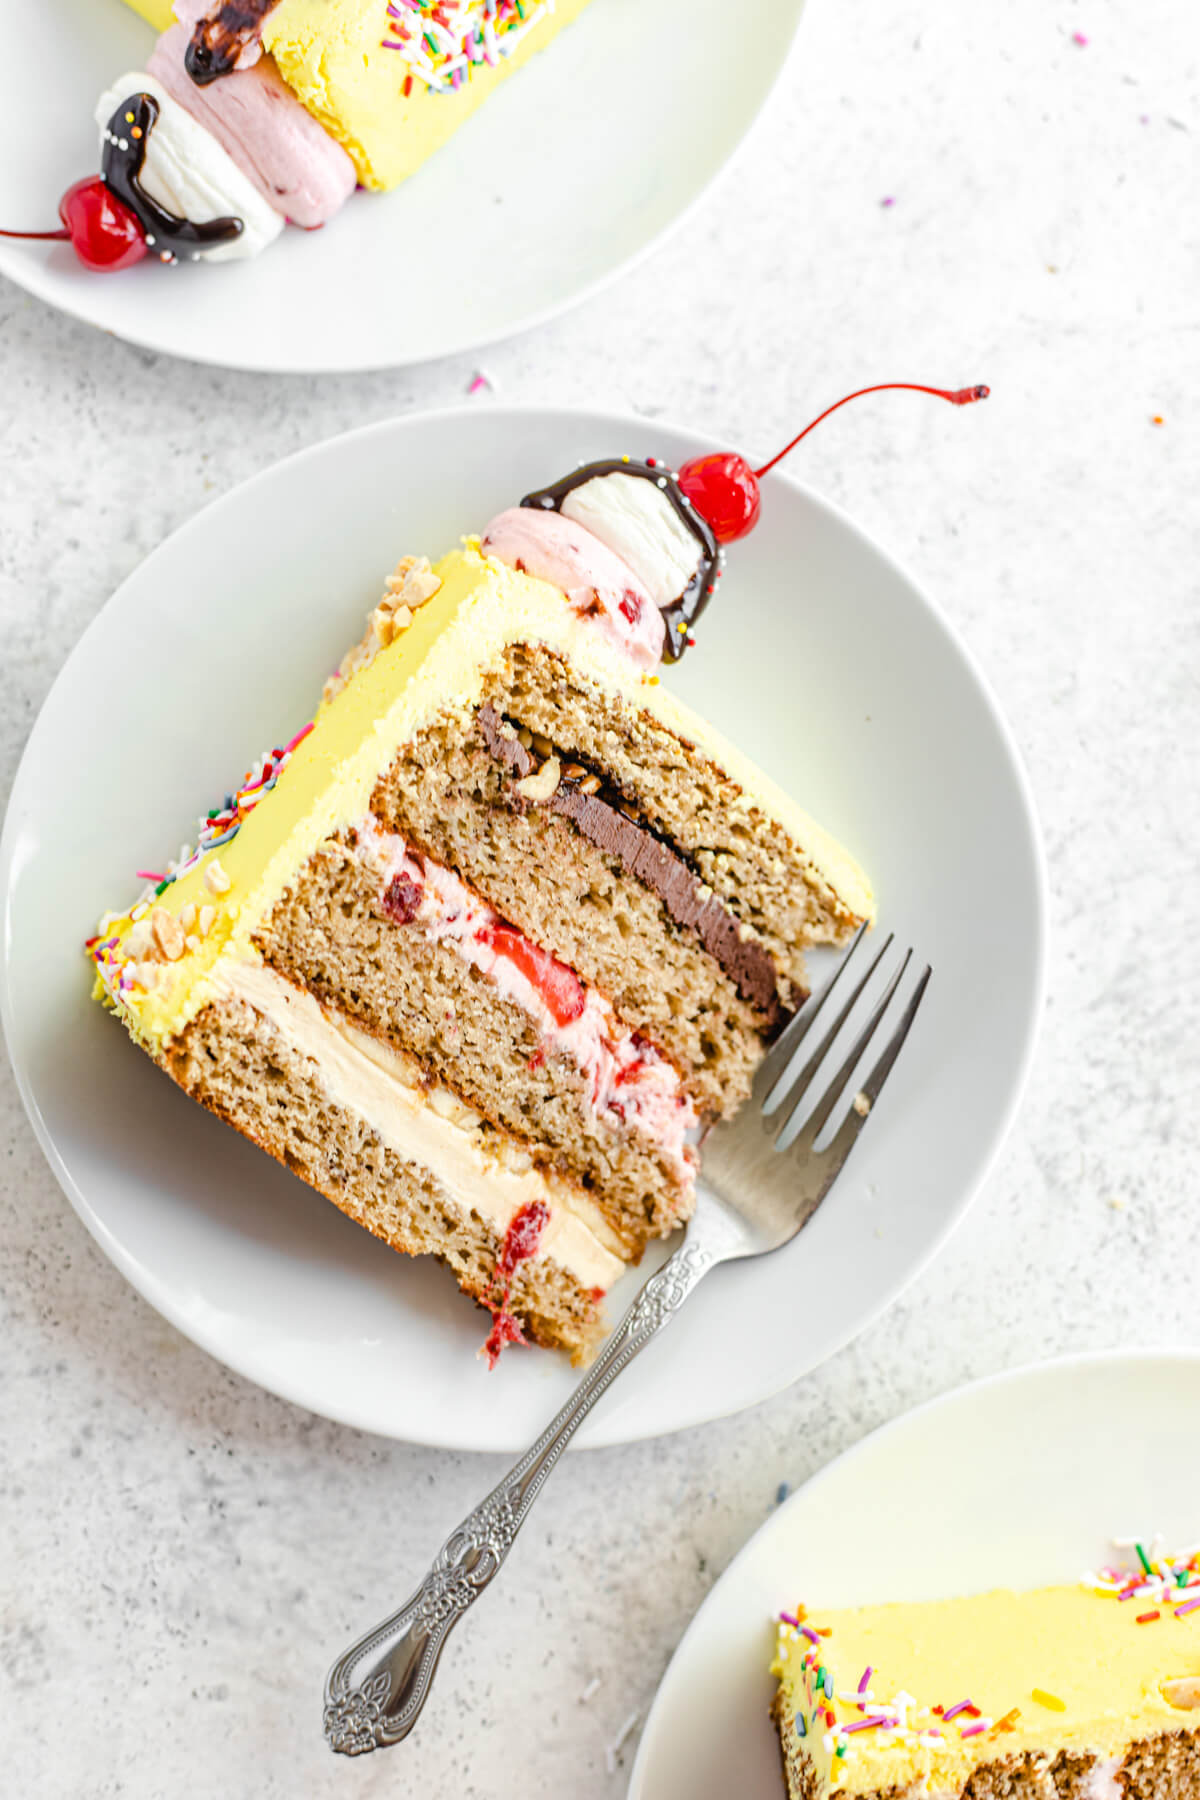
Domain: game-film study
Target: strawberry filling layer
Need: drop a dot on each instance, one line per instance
(629, 1084)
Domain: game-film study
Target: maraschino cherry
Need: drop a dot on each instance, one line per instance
(103, 232)
(724, 488)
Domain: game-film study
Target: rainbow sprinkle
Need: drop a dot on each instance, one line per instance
(443, 42)
(218, 827)
(1160, 1580)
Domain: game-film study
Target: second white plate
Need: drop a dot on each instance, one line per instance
(570, 172)
(1013, 1482)
(820, 657)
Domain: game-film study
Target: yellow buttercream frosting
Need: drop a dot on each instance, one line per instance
(334, 55)
(157, 13)
(1058, 1668)
(439, 663)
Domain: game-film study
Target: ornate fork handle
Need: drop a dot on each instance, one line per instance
(374, 1693)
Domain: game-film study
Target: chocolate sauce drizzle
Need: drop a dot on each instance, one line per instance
(681, 613)
(125, 140)
(606, 820)
(219, 39)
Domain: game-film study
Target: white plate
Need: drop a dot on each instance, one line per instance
(569, 173)
(820, 657)
(1011, 1482)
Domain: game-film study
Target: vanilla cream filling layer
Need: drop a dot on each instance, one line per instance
(484, 1174)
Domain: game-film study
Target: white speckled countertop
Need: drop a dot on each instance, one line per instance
(179, 1553)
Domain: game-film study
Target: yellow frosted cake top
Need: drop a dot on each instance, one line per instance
(887, 1696)
(156, 962)
(391, 90)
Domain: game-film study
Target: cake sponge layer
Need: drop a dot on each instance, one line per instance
(448, 795)
(763, 874)
(244, 1069)
(332, 934)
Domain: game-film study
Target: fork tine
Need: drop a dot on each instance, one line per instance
(873, 1085)
(837, 1086)
(782, 1050)
(781, 1118)
(852, 1124)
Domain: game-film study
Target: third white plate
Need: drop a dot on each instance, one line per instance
(1013, 1482)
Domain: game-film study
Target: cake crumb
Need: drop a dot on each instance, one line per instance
(861, 1104)
(589, 1692)
(215, 878)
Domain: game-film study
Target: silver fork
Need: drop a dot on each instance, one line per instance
(757, 1192)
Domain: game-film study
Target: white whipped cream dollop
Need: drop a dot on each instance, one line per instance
(187, 172)
(633, 516)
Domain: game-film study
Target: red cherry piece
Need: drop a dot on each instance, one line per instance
(522, 1237)
(520, 1243)
(105, 234)
(723, 489)
(505, 1330)
(559, 986)
(402, 899)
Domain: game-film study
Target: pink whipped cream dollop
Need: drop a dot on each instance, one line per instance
(253, 114)
(629, 1084)
(598, 583)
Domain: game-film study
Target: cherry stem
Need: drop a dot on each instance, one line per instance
(45, 235)
(956, 397)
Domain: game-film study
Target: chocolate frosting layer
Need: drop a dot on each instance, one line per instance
(696, 595)
(648, 857)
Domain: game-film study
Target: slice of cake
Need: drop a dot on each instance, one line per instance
(253, 115)
(482, 949)
(1087, 1692)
